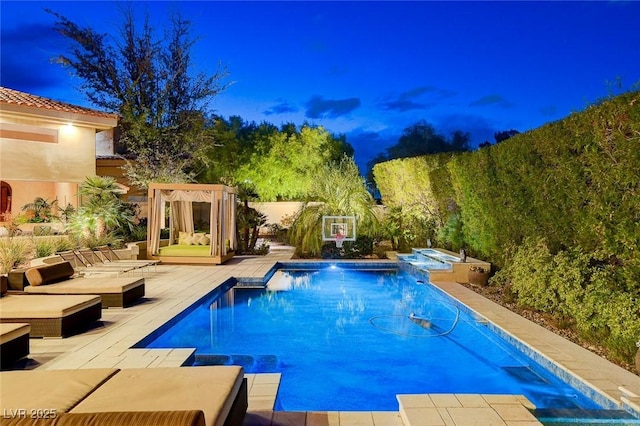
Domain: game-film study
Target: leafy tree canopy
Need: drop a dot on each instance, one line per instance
(278, 163)
(149, 81)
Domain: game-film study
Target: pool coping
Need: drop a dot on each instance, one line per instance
(172, 288)
(601, 397)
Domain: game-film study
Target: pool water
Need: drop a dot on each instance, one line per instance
(344, 340)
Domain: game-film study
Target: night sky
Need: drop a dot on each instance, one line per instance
(368, 69)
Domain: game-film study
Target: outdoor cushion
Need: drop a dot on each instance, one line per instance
(183, 237)
(49, 274)
(19, 306)
(90, 285)
(159, 418)
(58, 390)
(11, 331)
(184, 250)
(211, 389)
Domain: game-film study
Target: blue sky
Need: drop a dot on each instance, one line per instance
(369, 69)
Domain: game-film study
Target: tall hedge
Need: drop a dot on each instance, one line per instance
(420, 188)
(571, 187)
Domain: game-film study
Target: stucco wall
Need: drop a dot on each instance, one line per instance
(277, 211)
(71, 159)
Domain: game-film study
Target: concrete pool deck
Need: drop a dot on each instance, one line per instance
(172, 288)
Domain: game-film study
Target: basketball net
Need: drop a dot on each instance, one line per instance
(339, 238)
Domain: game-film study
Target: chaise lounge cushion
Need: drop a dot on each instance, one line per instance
(211, 389)
(14, 343)
(58, 390)
(49, 274)
(12, 331)
(159, 418)
(92, 285)
(18, 306)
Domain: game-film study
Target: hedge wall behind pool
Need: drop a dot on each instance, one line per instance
(572, 186)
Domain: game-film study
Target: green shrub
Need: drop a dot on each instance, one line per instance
(13, 252)
(44, 247)
(576, 289)
(451, 235)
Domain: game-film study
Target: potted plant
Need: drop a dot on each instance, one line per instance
(478, 275)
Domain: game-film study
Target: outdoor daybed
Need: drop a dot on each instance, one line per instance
(211, 207)
(14, 343)
(212, 396)
(57, 278)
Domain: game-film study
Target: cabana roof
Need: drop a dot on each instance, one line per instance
(215, 244)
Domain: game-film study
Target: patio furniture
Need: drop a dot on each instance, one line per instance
(51, 315)
(108, 255)
(214, 247)
(58, 278)
(85, 267)
(211, 395)
(14, 343)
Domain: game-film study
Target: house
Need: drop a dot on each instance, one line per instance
(47, 148)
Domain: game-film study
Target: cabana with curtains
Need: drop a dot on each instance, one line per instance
(201, 220)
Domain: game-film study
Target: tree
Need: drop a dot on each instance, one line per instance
(284, 164)
(102, 210)
(337, 190)
(421, 138)
(149, 82)
(42, 209)
(235, 141)
(416, 140)
(504, 135)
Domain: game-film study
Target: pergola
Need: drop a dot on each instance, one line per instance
(173, 206)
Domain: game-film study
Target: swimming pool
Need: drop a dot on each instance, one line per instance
(344, 340)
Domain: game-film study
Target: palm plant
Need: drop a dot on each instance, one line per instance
(338, 190)
(42, 209)
(101, 210)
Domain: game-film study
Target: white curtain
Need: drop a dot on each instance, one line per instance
(213, 224)
(156, 221)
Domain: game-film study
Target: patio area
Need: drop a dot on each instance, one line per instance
(172, 288)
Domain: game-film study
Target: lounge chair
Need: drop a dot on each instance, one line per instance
(84, 267)
(14, 343)
(213, 395)
(96, 258)
(109, 255)
(50, 315)
(58, 278)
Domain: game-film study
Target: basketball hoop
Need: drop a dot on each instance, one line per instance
(338, 229)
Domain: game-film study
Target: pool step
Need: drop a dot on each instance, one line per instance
(459, 409)
(250, 363)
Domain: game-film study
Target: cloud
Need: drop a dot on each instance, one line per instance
(317, 107)
(406, 101)
(491, 100)
(282, 107)
(33, 72)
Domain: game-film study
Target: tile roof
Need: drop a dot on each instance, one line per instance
(10, 96)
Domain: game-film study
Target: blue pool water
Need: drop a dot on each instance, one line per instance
(345, 340)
